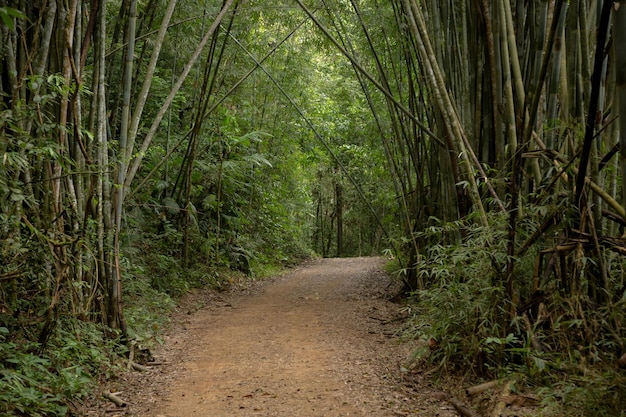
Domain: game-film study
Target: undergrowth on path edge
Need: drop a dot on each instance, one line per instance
(457, 321)
(81, 355)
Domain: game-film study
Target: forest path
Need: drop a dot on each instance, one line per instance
(318, 341)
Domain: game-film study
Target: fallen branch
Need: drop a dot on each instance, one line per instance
(463, 410)
(138, 367)
(131, 354)
(8, 276)
(502, 401)
(112, 396)
(514, 400)
(479, 389)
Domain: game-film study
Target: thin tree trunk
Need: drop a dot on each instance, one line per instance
(118, 189)
(367, 75)
(136, 162)
(147, 82)
(339, 212)
(444, 103)
(555, 79)
(103, 215)
(125, 120)
(619, 34)
(510, 119)
(494, 83)
(593, 102)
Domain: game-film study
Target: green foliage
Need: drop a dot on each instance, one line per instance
(148, 300)
(167, 275)
(8, 14)
(34, 383)
(460, 319)
(588, 393)
(460, 308)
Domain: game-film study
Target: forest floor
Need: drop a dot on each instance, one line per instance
(320, 340)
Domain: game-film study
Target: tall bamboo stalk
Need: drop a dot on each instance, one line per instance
(138, 157)
(593, 101)
(619, 48)
(447, 108)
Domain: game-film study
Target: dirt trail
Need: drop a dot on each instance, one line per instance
(315, 342)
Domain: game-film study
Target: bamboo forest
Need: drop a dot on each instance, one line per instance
(152, 148)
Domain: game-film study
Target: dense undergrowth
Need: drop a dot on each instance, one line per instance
(560, 344)
(52, 381)
(49, 383)
(52, 377)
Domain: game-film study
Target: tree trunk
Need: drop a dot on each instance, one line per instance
(619, 32)
(339, 212)
(138, 157)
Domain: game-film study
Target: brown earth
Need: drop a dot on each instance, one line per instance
(320, 340)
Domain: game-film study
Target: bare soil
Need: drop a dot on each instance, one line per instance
(320, 340)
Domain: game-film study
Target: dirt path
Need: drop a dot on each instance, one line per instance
(316, 342)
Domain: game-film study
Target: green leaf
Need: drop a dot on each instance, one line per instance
(258, 160)
(7, 14)
(496, 340)
(539, 363)
(171, 205)
(17, 197)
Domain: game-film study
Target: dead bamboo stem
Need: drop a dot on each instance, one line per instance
(113, 397)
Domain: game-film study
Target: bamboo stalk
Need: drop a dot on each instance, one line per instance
(115, 399)
(136, 162)
(138, 367)
(479, 389)
(501, 404)
(593, 102)
(463, 410)
(8, 276)
(603, 194)
(619, 50)
(509, 116)
(445, 105)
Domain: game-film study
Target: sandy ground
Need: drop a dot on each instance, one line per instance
(318, 341)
